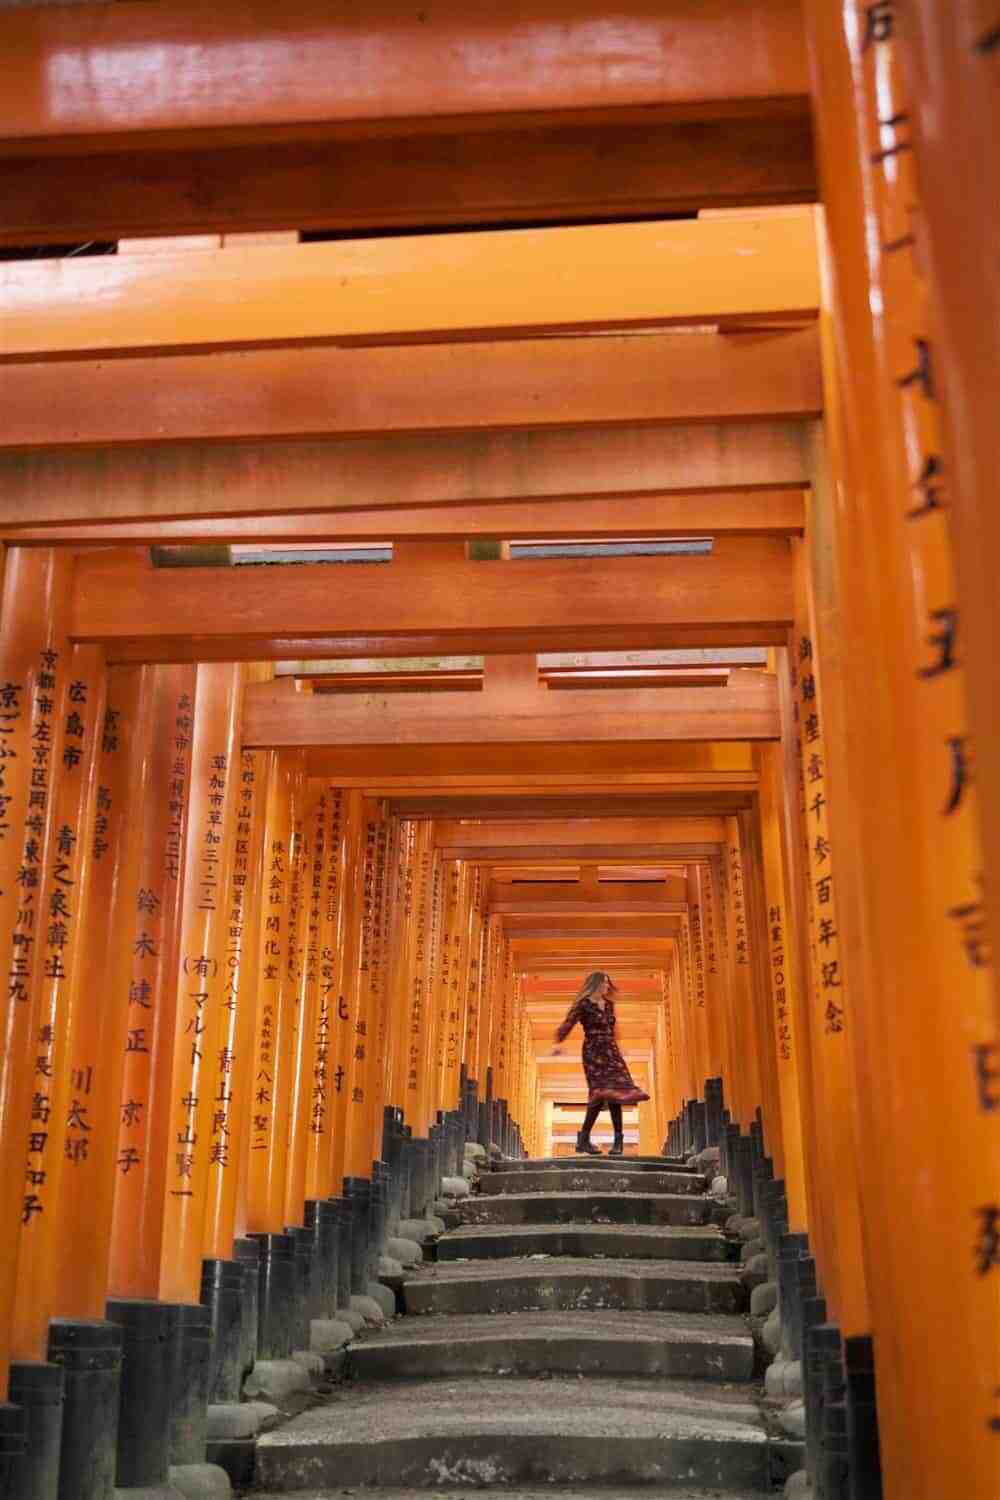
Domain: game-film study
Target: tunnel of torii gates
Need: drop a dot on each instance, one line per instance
(301, 863)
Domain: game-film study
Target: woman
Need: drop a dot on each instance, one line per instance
(608, 1078)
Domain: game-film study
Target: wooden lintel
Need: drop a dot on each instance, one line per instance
(745, 709)
(545, 770)
(740, 594)
(327, 392)
(591, 170)
(482, 840)
(181, 74)
(313, 483)
(496, 284)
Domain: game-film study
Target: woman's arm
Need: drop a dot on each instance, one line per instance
(572, 1016)
(609, 1012)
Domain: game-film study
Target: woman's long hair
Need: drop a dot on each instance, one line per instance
(592, 984)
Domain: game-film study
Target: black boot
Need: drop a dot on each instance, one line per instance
(617, 1125)
(584, 1145)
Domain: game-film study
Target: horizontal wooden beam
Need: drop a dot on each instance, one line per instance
(711, 513)
(746, 709)
(316, 482)
(584, 804)
(592, 925)
(328, 392)
(588, 170)
(483, 840)
(739, 594)
(180, 73)
(434, 287)
(602, 769)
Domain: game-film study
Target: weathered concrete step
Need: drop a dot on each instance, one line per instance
(608, 1163)
(690, 1346)
(565, 1284)
(503, 1432)
(629, 1241)
(587, 1208)
(550, 1492)
(582, 1181)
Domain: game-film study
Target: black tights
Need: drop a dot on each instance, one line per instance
(593, 1110)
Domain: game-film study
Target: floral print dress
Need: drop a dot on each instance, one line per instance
(608, 1077)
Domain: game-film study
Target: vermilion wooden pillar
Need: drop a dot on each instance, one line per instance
(200, 1089)
(60, 1126)
(151, 948)
(35, 592)
(909, 761)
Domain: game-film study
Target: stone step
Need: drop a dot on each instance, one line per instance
(624, 1180)
(627, 1241)
(586, 1208)
(611, 1163)
(564, 1284)
(551, 1492)
(691, 1346)
(497, 1431)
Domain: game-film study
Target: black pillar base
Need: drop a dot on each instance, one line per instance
(864, 1462)
(190, 1383)
(277, 1295)
(36, 1389)
(90, 1352)
(713, 1110)
(344, 1220)
(149, 1335)
(13, 1445)
(303, 1302)
(322, 1222)
(357, 1191)
(222, 1293)
(247, 1252)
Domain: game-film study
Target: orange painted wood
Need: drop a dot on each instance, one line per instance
(181, 73)
(880, 303)
(318, 479)
(364, 1060)
(144, 1139)
(32, 622)
(737, 513)
(481, 840)
(573, 171)
(273, 1055)
(199, 1082)
(741, 588)
(438, 770)
(302, 988)
(493, 284)
(329, 898)
(226, 1200)
(97, 1059)
(245, 937)
(62, 1013)
(746, 710)
(329, 392)
(947, 56)
(348, 979)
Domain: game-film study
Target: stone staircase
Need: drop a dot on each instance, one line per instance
(579, 1333)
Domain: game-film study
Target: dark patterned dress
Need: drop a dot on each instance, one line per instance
(608, 1078)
